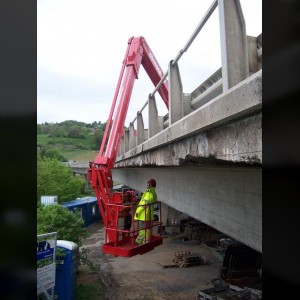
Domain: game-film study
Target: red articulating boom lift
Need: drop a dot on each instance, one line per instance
(118, 208)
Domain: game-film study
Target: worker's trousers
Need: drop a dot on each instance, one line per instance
(144, 234)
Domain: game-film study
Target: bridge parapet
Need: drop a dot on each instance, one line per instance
(227, 129)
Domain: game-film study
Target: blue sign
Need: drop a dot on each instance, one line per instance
(44, 250)
(45, 254)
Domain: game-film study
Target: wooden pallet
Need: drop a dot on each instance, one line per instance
(185, 259)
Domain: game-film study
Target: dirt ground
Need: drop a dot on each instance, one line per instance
(143, 277)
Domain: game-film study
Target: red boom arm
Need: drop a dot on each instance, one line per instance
(99, 173)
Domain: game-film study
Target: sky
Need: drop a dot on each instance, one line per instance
(81, 46)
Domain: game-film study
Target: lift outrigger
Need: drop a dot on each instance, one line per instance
(118, 208)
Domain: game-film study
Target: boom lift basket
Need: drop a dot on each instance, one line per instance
(124, 229)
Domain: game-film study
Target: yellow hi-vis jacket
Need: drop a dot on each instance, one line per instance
(148, 197)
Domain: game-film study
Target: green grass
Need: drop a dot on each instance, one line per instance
(42, 139)
(91, 291)
(89, 285)
(79, 155)
(87, 143)
(70, 148)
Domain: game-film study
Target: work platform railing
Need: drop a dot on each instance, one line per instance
(125, 229)
(241, 56)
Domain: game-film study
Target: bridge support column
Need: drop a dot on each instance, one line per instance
(234, 51)
(160, 120)
(86, 181)
(252, 54)
(187, 101)
(122, 146)
(132, 140)
(140, 128)
(126, 140)
(146, 133)
(175, 94)
(153, 117)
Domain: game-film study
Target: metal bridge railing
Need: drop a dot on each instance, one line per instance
(183, 50)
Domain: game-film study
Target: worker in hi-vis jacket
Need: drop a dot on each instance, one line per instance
(145, 213)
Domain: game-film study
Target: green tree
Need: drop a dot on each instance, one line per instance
(56, 218)
(98, 138)
(51, 153)
(53, 178)
(39, 129)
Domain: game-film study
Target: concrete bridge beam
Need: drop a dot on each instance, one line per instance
(234, 51)
(132, 138)
(140, 128)
(175, 94)
(228, 199)
(122, 146)
(252, 54)
(126, 140)
(160, 122)
(153, 117)
(146, 133)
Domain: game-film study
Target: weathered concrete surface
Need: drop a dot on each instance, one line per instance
(228, 199)
(227, 129)
(237, 142)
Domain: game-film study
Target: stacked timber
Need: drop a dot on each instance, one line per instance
(185, 259)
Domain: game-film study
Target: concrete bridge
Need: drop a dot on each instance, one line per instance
(206, 154)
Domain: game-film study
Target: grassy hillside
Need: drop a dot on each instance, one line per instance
(80, 155)
(71, 148)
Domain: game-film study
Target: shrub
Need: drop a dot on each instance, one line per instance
(56, 218)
